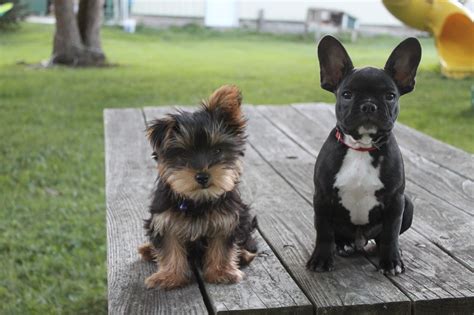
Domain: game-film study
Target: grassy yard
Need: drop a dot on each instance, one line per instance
(52, 215)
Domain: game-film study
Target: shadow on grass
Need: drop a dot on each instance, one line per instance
(467, 113)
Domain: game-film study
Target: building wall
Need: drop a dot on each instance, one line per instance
(171, 8)
(370, 12)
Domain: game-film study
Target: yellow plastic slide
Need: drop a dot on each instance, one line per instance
(452, 26)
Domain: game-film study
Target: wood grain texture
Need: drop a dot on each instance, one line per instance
(433, 280)
(443, 225)
(438, 179)
(267, 288)
(286, 222)
(437, 219)
(436, 151)
(130, 175)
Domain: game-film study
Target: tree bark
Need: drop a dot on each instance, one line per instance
(89, 19)
(67, 41)
(77, 41)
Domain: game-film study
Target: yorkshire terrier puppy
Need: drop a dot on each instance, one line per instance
(197, 214)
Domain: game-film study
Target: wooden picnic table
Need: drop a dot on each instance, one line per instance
(283, 143)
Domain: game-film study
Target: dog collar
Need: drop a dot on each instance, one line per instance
(340, 139)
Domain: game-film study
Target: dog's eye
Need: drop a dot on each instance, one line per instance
(217, 151)
(390, 96)
(347, 95)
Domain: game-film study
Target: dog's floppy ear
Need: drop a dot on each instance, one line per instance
(158, 130)
(228, 98)
(334, 62)
(402, 64)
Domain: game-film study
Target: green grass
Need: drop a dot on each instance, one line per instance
(52, 219)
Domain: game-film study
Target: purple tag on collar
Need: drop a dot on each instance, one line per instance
(183, 205)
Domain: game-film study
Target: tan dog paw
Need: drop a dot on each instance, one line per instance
(227, 275)
(166, 280)
(148, 252)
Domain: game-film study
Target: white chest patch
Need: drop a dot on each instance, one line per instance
(357, 181)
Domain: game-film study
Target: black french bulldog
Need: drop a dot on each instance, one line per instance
(359, 176)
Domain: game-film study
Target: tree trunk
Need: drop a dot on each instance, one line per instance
(67, 45)
(89, 19)
(77, 41)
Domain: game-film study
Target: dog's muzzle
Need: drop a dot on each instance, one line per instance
(202, 178)
(368, 108)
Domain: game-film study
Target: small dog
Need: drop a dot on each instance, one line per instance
(359, 176)
(197, 214)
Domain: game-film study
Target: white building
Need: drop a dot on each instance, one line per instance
(278, 13)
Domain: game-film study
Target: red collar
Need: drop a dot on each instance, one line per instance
(341, 140)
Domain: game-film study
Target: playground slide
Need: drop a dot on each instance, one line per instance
(4, 8)
(452, 26)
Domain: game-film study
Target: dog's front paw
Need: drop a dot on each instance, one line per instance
(392, 266)
(166, 280)
(226, 275)
(321, 260)
(390, 262)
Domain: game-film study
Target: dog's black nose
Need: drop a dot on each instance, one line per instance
(202, 178)
(368, 108)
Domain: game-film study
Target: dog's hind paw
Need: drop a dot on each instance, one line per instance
(371, 248)
(345, 250)
(148, 252)
(246, 257)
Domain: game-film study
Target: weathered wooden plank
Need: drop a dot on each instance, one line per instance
(419, 283)
(267, 287)
(441, 181)
(286, 222)
(441, 222)
(433, 280)
(436, 151)
(443, 225)
(130, 176)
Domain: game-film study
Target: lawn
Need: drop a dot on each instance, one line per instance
(52, 219)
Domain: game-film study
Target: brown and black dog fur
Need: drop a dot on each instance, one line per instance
(197, 215)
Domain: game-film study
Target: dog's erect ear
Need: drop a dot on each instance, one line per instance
(402, 64)
(229, 99)
(158, 130)
(334, 62)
